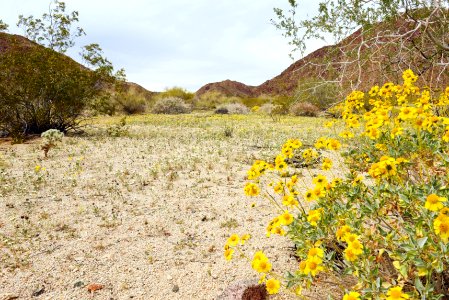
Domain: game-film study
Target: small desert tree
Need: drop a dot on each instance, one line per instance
(42, 89)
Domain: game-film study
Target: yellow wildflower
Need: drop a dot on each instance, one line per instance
(233, 240)
(395, 293)
(272, 286)
(434, 202)
(313, 266)
(251, 189)
(352, 296)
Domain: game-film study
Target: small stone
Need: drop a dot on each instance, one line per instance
(8, 296)
(175, 288)
(78, 284)
(38, 292)
(169, 277)
(93, 287)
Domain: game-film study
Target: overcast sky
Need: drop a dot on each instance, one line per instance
(186, 43)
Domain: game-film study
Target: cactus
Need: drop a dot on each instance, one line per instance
(51, 138)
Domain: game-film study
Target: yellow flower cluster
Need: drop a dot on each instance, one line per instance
(258, 168)
(319, 190)
(275, 225)
(385, 168)
(314, 262)
(354, 248)
(401, 143)
(441, 225)
(327, 143)
(232, 242)
(314, 216)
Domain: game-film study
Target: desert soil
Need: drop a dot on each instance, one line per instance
(145, 214)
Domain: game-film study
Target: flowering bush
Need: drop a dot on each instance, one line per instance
(386, 222)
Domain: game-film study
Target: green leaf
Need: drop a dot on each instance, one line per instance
(421, 242)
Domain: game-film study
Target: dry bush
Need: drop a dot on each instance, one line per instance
(306, 109)
(268, 108)
(171, 106)
(232, 109)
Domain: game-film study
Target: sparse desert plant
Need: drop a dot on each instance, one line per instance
(131, 102)
(176, 92)
(275, 111)
(233, 109)
(304, 109)
(386, 222)
(118, 130)
(171, 105)
(267, 108)
(50, 139)
(317, 92)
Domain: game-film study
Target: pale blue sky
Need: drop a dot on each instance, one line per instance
(187, 43)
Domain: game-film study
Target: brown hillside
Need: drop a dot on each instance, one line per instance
(357, 62)
(228, 88)
(7, 40)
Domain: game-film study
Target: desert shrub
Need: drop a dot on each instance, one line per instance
(257, 101)
(130, 102)
(118, 130)
(233, 109)
(214, 100)
(275, 111)
(40, 88)
(176, 92)
(209, 100)
(318, 92)
(221, 111)
(171, 105)
(267, 108)
(304, 109)
(386, 222)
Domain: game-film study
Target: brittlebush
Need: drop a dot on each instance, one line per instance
(386, 223)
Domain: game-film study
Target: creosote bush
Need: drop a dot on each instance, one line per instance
(131, 102)
(171, 105)
(386, 222)
(305, 109)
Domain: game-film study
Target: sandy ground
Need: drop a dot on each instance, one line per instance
(145, 215)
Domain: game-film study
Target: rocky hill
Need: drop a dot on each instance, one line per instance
(7, 40)
(357, 62)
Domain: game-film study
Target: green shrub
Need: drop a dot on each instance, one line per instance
(304, 109)
(171, 105)
(40, 90)
(176, 92)
(317, 92)
(131, 102)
